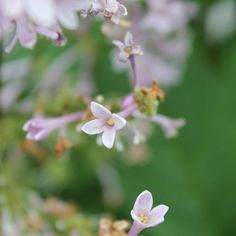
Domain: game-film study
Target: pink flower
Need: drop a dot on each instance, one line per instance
(39, 128)
(105, 122)
(143, 214)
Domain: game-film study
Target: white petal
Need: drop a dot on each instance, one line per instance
(123, 10)
(25, 33)
(100, 111)
(120, 122)
(93, 126)
(43, 134)
(27, 125)
(108, 137)
(123, 57)
(68, 18)
(157, 215)
(143, 203)
(129, 39)
(119, 44)
(42, 12)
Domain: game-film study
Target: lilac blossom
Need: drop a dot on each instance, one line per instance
(127, 48)
(105, 122)
(143, 214)
(112, 10)
(170, 126)
(43, 17)
(39, 128)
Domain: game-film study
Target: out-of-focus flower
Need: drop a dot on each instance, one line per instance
(43, 17)
(143, 214)
(112, 10)
(39, 128)
(59, 208)
(170, 126)
(221, 20)
(105, 122)
(127, 48)
(116, 228)
(167, 16)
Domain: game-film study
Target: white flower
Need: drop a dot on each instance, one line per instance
(143, 214)
(105, 122)
(127, 48)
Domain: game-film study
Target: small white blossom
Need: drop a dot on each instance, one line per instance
(105, 122)
(127, 48)
(143, 214)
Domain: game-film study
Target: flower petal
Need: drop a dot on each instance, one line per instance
(93, 127)
(120, 122)
(42, 12)
(129, 39)
(157, 215)
(67, 17)
(119, 44)
(143, 203)
(108, 137)
(100, 111)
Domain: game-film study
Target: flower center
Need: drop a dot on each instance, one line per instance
(143, 218)
(128, 50)
(111, 121)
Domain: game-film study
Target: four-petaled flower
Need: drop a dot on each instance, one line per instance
(127, 48)
(105, 122)
(143, 214)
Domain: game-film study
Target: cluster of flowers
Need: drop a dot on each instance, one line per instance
(46, 18)
(54, 216)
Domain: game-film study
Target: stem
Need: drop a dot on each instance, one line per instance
(128, 111)
(133, 66)
(135, 230)
(66, 119)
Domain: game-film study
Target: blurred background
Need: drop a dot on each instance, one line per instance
(194, 174)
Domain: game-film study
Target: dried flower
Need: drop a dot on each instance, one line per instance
(110, 228)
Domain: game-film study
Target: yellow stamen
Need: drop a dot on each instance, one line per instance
(143, 218)
(128, 50)
(111, 121)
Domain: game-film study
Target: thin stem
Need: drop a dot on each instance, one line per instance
(133, 66)
(128, 111)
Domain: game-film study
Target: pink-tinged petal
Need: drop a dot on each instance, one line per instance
(157, 215)
(100, 111)
(123, 10)
(11, 45)
(108, 137)
(42, 12)
(129, 39)
(120, 122)
(135, 218)
(27, 125)
(13, 8)
(67, 17)
(25, 33)
(123, 57)
(93, 127)
(143, 203)
(115, 18)
(43, 134)
(119, 44)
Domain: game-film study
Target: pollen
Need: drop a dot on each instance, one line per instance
(143, 218)
(110, 122)
(128, 50)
